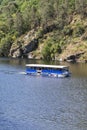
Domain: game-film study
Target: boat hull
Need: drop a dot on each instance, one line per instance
(49, 75)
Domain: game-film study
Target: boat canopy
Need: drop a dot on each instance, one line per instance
(46, 66)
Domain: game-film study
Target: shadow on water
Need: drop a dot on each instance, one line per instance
(18, 61)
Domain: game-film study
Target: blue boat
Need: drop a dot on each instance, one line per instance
(47, 70)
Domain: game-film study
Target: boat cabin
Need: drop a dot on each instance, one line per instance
(47, 70)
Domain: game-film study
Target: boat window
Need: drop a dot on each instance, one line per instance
(32, 68)
(39, 68)
(59, 69)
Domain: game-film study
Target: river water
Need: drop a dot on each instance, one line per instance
(42, 103)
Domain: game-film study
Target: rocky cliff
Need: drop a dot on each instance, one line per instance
(24, 45)
(73, 36)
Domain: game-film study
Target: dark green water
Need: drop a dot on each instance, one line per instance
(41, 103)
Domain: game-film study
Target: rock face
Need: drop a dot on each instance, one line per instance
(74, 57)
(28, 43)
(23, 51)
(31, 44)
(24, 45)
(30, 47)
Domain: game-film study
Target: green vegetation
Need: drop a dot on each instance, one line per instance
(53, 46)
(18, 17)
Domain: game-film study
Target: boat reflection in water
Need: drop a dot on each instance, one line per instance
(47, 70)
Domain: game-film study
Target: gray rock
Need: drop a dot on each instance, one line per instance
(31, 46)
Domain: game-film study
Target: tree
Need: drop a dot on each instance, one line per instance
(19, 23)
(46, 11)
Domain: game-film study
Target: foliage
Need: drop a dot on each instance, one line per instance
(5, 45)
(52, 46)
(68, 31)
(79, 30)
(17, 17)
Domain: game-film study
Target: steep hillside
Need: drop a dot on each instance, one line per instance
(69, 44)
(51, 30)
(77, 42)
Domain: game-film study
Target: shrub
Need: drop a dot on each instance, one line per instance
(39, 33)
(5, 45)
(79, 30)
(50, 48)
(84, 36)
(46, 51)
(67, 31)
